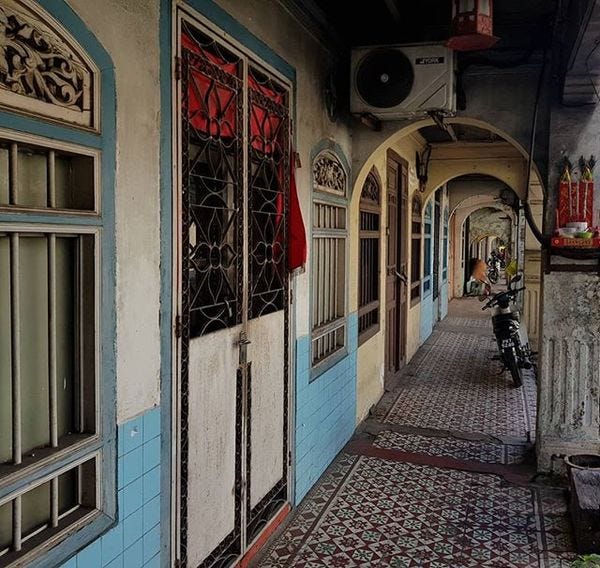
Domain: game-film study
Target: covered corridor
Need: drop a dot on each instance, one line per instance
(440, 474)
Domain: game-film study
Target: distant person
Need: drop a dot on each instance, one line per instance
(478, 284)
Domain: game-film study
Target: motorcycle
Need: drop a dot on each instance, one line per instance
(511, 336)
(493, 272)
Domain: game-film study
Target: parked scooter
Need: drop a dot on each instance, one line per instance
(512, 339)
(494, 265)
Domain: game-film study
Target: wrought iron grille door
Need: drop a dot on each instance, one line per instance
(232, 233)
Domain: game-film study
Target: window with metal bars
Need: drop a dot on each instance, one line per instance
(427, 250)
(445, 247)
(415, 257)
(369, 251)
(235, 120)
(51, 445)
(329, 240)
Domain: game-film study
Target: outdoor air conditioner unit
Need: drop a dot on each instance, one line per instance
(401, 81)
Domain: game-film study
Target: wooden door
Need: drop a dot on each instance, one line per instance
(396, 275)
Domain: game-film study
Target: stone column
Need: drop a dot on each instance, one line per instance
(569, 384)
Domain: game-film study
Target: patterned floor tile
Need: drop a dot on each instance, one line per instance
(372, 512)
(457, 387)
(486, 452)
(404, 522)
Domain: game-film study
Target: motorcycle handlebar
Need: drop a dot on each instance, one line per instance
(494, 301)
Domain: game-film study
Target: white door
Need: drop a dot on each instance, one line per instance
(233, 129)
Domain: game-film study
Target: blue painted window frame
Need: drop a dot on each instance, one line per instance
(328, 146)
(105, 142)
(445, 245)
(427, 251)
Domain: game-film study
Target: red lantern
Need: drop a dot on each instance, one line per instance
(472, 25)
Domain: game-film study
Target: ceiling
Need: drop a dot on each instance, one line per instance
(457, 133)
(520, 24)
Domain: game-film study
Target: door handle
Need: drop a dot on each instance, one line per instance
(243, 347)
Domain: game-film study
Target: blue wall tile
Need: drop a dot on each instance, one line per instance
(91, 556)
(135, 541)
(133, 528)
(151, 543)
(325, 410)
(116, 563)
(133, 557)
(112, 544)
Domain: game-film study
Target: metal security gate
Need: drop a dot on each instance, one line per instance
(234, 159)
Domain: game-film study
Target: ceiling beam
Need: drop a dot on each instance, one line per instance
(314, 20)
(393, 7)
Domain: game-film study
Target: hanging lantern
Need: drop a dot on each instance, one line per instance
(472, 25)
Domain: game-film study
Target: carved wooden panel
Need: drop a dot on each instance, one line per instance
(329, 175)
(42, 70)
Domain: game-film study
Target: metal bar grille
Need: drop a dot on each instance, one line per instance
(369, 260)
(62, 510)
(329, 273)
(69, 178)
(15, 331)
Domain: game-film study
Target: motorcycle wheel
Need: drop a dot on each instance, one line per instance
(510, 360)
(493, 276)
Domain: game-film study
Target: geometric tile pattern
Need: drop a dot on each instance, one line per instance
(372, 512)
(469, 450)
(458, 387)
(135, 541)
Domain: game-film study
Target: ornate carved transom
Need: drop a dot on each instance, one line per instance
(329, 175)
(40, 72)
(371, 191)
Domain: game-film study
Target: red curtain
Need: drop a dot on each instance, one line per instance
(212, 110)
(297, 252)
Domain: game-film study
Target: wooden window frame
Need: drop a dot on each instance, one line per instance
(370, 204)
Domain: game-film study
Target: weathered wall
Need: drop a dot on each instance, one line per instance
(569, 411)
(568, 416)
(130, 35)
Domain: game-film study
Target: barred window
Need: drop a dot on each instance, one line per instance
(427, 250)
(369, 251)
(415, 259)
(445, 253)
(57, 412)
(329, 240)
(49, 294)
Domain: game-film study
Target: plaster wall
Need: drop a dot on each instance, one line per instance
(130, 36)
(569, 413)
